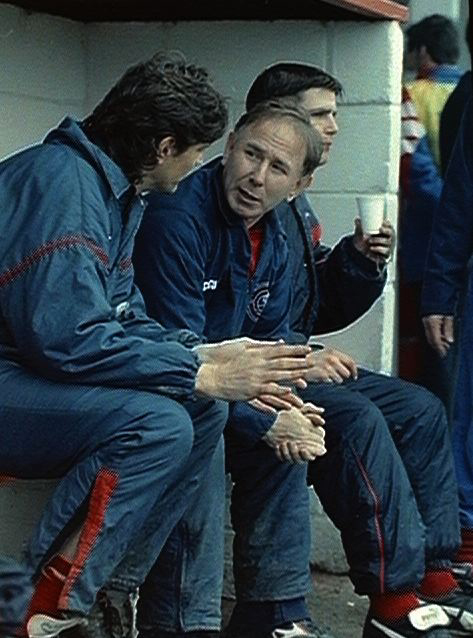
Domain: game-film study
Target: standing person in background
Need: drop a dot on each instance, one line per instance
(448, 292)
(431, 52)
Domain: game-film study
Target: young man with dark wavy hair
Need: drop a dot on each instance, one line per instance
(93, 390)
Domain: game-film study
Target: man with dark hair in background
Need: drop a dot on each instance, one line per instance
(387, 479)
(93, 390)
(432, 50)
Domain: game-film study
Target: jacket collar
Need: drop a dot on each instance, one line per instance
(442, 73)
(70, 132)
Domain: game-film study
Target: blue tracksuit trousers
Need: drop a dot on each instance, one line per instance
(131, 462)
(387, 482)
(270, 516)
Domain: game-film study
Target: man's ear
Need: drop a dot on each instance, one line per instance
(229, 144)
(301, 185)
(166, 148)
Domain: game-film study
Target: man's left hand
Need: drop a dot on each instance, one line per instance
(378, 247)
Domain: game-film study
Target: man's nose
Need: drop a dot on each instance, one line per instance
(258, 173)
(332, 125)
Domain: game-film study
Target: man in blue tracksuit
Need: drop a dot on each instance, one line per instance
(92, 389)
(448, 292)
(432, 50)
(225, 280)
(387, 479)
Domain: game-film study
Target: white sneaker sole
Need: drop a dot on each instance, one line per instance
(42, 626)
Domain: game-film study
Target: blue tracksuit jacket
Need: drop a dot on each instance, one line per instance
(206, 288)
(100, 334)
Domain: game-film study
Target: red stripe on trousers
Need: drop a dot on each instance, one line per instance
(102, 492)
(377, 522)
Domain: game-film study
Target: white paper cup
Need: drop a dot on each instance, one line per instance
(371, 210)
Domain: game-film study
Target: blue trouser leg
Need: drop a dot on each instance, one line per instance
(387, 480)
(270, 515)
(127, 456)
(15, 593)
(462, 425)
(182, 592)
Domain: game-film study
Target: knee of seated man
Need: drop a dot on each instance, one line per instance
(158, 423)
(361, 419)
(423, 406)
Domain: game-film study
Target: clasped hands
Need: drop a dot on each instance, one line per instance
(263, 373)
(260, 372)
(297, 434)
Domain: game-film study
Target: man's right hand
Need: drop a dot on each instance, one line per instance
(297, 434)
(244, 369)
(330, 366)
(439, 332)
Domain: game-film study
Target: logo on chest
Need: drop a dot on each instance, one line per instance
(211, 284)
(259, 299)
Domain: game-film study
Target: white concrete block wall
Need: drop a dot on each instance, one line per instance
(368, 60)
(42, 75)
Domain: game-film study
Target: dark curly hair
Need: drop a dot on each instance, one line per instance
(161, 97)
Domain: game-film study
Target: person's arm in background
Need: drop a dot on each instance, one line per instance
(451, 117)
(451, 242)
(349, 283)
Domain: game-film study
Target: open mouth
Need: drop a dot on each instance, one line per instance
(247, 196)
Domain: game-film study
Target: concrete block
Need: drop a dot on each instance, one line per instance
(367, 58)
(369, 340)
(336, 213)
(42, 56)
(26, 121)
(423, 8)
(392, 213)
(234, 52)
(21, 504)
(365, 155)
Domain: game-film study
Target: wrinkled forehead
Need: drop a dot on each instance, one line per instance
(277, 138)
